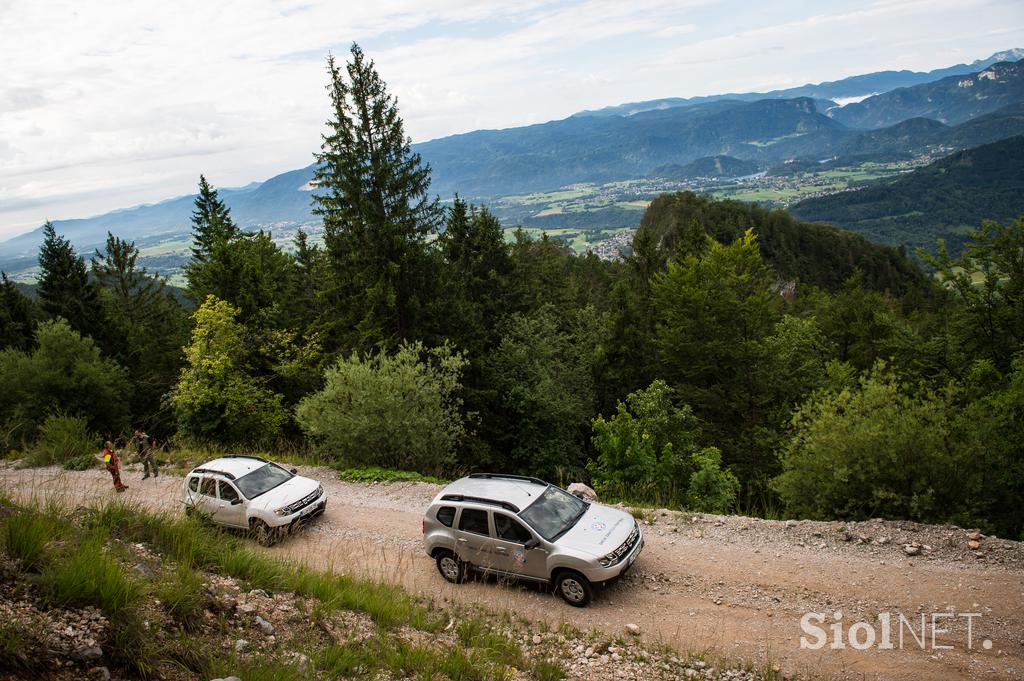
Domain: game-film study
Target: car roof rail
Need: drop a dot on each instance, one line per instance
(245, 456)
(507, 476)
(481, 500)
(227, 475)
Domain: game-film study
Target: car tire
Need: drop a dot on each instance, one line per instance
(574, 588)
(262, 533)
(450, 567)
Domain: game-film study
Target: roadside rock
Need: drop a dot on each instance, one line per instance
(88, 654)
(265, 626)
(633, 629)
(912, 549)
(582, 491)
(241, 645)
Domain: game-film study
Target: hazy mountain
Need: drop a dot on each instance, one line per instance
(607, 148)
(283, 199)
(950, 100)
(611, 146)
(709, 166)
(945, 199)
(853, 87)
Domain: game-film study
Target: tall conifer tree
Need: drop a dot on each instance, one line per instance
(372, 196)
(16, 319)
(211, 222)
(64, 286)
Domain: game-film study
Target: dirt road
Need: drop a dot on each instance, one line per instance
(729, 587)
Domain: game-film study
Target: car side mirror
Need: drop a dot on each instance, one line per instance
(293, 471)
(236, 502)
(532, 544)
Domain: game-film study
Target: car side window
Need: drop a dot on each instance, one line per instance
(510, 530)
(227, 492)
(208, 487)
(475, 521)
(446, 515)
(193, 483)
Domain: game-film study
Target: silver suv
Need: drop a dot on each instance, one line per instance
(514, 526)
(249, 492)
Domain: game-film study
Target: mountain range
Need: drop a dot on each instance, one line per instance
(949, 109)
(845, 90)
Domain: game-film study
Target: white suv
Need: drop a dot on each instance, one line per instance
(524, 528)
(251, 493)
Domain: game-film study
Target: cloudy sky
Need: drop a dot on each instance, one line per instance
(106, 104)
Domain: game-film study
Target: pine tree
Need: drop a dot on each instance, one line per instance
(64, 286)
(211, 222)
(372, 197)
(16, 318)
(147, 325)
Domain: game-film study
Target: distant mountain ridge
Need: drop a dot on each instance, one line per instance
(610, 147)
(951, 100)
(864, 85)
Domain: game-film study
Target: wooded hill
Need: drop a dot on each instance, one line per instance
(944, 200)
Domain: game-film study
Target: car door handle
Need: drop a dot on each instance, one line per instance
(462, 541)
(500, 549)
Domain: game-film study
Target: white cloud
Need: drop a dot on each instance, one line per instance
(104, 104)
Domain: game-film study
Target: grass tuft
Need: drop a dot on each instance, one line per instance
(26, 535)
(182, 596)
(90, 576)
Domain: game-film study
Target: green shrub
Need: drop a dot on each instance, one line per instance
(82, 462)
(65, 371)
(648, 450)
(378, 474)
(26, 535)
(873, 450)
(711, 489)
(395, 411)
(64, 439)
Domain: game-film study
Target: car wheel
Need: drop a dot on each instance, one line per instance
(574, 589)
(450, 567)
(189, 510)
(262, 533)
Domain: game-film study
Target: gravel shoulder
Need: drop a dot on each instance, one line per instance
(726, 586)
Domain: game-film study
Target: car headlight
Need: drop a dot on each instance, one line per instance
(282, 511)
(605, 561)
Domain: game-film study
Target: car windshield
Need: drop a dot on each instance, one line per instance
(262, 480)
(554, 513)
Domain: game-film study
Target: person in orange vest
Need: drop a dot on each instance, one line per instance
(112, 464)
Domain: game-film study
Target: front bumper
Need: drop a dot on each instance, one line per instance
(610, 574)
(304, 514)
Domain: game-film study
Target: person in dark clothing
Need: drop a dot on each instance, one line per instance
(113, 465)
(145, 447)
